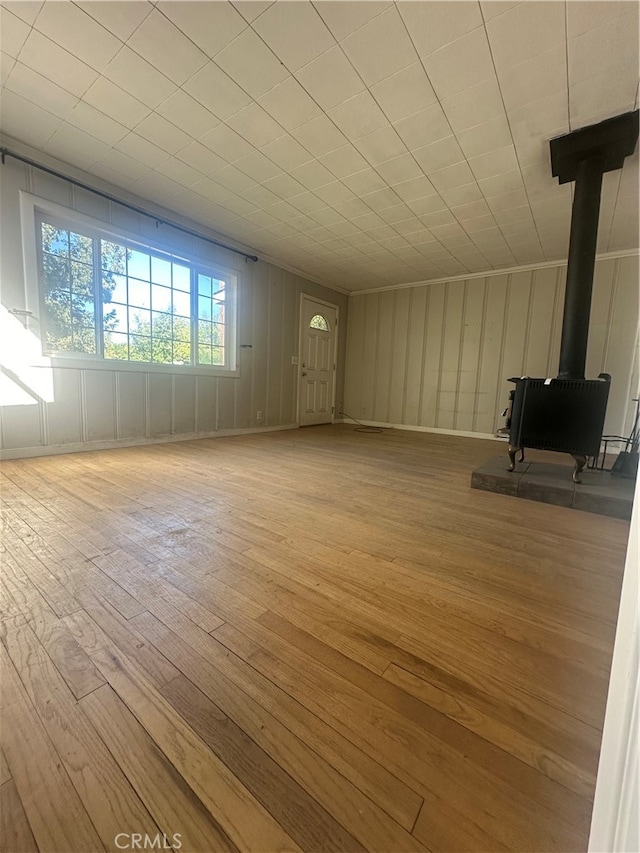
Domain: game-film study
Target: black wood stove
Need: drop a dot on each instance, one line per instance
(567, 414)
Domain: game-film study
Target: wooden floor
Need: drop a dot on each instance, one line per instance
(315, 640)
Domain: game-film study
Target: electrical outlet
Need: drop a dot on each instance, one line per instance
(258, 416)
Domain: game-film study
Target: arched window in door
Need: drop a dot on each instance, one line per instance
(319, 322)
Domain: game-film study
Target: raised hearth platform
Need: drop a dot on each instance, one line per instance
(599, 492)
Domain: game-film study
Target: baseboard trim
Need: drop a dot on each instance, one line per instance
(112, 444)
(411, 428)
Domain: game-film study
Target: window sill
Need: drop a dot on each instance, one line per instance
(114, 366)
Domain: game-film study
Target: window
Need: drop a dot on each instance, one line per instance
(110, 297)
(319, 322)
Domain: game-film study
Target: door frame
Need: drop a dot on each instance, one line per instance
(320, 301)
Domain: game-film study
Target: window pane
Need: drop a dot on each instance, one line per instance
(116, 345)
(161, 271)
(204, 308)
(56, 272)
(162, 350)
(83, 310)
(160, 298)
(54, 240)
(204, 355)
(217, 355)
(116, 320)
(181, 277)
(217, 311)
(204, 284)
(84, 340)
(81, 248)
(114, 288)
(161, 325)
(319, 322)
(139, 293)
(217, 335)
(181, 303)
(139, 321)
(204, 332)
(113, 257)
(182, 329)
(138, 264)
(139, 348)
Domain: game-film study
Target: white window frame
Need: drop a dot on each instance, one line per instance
(31, 207)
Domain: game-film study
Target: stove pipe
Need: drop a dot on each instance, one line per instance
(584, 156)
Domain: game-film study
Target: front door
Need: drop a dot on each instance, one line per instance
(316, 363)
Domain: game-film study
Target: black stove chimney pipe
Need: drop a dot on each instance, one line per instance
(584, 156)
(580, 266)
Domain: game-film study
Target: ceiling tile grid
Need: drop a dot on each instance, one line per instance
(366, 144)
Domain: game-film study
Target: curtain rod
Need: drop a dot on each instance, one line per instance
(4, 152)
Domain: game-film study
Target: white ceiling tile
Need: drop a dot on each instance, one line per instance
(380, 48)
(610, 47)
(474, 106)
(56, 64)
(261, 197)
(492, 8)
(97, 124)
(583, 15)
(75, 31)
(117, 163)
(601, 97)
(121, 19)
(344, 160)
(540, 77)
(485, 137)
(500, 184)
(494, 162)
(209, 25)
(114, 101)
(141, 149)
(381, 145)
(506, 201)
(330, 79)
(156, 187)
(525, 31)
(39, 90)
(424, 127)
(460, 65)
(162, 133)
(74, 146)
(284, 186)
(363, 182)
(334, 193)
(465, 194)
(451, 176)
(26, 121)
(252, 65)
(226, 143)
(140, 79)
(399, 169)
(258, 167)
(255, 125)
(233, 179)
(188, 114)
(216, 91)
(13, 33)
(212, 190)
(433, 24)
(422, 187)
(344, 17)
(404, 93)
(381, 199)
(287, 152)
(295, 32)
(319, 136)
(358, 116)
(289, 104)
(200, 157)
(438, 155)
(163, 45)
(179, 172)
(26, 10)
(312, 175)
(7, 64)
(251, 9)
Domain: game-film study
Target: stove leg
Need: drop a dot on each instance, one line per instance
(512, 456)
(581, 461)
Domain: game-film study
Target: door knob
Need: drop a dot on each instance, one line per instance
(304, 372)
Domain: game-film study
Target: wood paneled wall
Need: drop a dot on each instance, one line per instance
(91, 405)
(440, 355)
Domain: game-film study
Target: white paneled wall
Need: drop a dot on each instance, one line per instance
(440, 355)
(124, 405)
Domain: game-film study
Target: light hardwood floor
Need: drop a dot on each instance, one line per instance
(315, 640)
